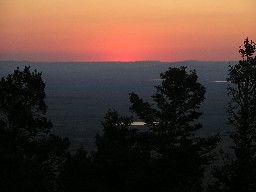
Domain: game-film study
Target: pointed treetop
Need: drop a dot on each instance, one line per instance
(249, 48)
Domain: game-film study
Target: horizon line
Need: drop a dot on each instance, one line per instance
(135, 61)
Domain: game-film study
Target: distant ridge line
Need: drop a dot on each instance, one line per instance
(142, 61)
(148, 61)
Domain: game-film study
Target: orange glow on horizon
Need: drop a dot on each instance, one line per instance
(97, 30)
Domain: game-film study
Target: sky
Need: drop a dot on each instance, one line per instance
(125, 30)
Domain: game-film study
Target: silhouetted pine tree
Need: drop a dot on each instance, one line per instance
(80, 174)
(30, 158)
(114, 157)
(239, 173)
(179, 157)
(122, 161)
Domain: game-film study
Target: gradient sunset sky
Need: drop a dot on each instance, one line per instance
(128, 30)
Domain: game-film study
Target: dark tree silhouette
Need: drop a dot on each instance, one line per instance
(178, 155)
(119, 164)
(22, 104)
(30, 158)
(239, 173)
(80, 174)
(107, 169)
(123, 157)
(113, 155)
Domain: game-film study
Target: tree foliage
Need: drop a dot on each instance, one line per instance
(239, 173)
(180, 155)
(114, 156)
(80, 174)
(30, 157)
(122, 160)
(166, 157)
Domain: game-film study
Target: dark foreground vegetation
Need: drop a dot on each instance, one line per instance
(168, 155)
